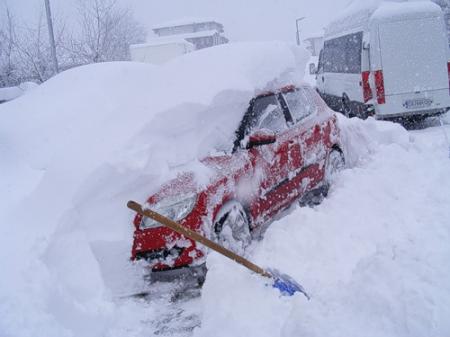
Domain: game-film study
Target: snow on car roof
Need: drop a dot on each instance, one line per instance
(213, 87)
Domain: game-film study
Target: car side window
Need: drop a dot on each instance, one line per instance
(301, 103)
(269, 114)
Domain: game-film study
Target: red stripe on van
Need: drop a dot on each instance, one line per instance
(367, 92)
(379, 83)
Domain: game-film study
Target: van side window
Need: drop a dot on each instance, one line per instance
(343, 54)
(301, 103)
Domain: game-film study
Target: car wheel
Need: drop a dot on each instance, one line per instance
(232, 227)
(335, 163)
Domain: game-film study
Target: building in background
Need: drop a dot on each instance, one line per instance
(314, 44)
(177, 38)
(201, 33)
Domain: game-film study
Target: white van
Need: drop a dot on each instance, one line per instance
(389, 60)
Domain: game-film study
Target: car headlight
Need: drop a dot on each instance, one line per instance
(175, 208)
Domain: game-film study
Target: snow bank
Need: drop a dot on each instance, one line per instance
(75, 149)
(9, 93)
(373, 256)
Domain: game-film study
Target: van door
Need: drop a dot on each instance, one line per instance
(412, 56)
(320, 78)
(342, 66)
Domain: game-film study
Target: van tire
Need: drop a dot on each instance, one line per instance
(346, 106)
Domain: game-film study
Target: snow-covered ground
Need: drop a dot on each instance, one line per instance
(374, 255)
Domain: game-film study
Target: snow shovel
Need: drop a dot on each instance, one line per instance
(286, 284)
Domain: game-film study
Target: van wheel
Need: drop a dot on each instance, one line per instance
(232, 227)
(346, 110)
(365, 111)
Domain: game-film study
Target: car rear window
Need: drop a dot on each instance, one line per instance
(269, 114)
(301, 103)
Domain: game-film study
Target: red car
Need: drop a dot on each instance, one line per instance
(285, 147)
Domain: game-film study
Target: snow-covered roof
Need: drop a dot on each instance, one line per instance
(360, 12)
(406, 10)
(162, 41)
(184, 22)
(179, 38)
(195, 35)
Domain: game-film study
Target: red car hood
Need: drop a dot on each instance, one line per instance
(189, 181)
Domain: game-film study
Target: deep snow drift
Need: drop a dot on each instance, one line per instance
(373, 256)
(78, 147)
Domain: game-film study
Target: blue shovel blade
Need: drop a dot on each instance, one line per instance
(286, 284)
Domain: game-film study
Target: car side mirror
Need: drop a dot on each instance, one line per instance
(312, 69)
(261, 137)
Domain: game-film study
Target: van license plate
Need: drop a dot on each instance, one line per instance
(417, 103)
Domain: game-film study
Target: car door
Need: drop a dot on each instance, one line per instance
(307, 150)
(270, 161)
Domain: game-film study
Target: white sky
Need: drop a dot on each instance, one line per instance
(243, 20)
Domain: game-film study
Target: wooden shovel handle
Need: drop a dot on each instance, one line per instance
(196, 237)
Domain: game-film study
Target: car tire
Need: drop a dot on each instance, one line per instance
(335, 162)
(232, 227)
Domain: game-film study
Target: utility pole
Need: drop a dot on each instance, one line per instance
(298, 30)
(51, 36)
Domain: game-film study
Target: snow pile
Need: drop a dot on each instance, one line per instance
(75, 149)
(373, 256)
(9, 93)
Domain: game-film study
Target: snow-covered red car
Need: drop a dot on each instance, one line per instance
(285, 148)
